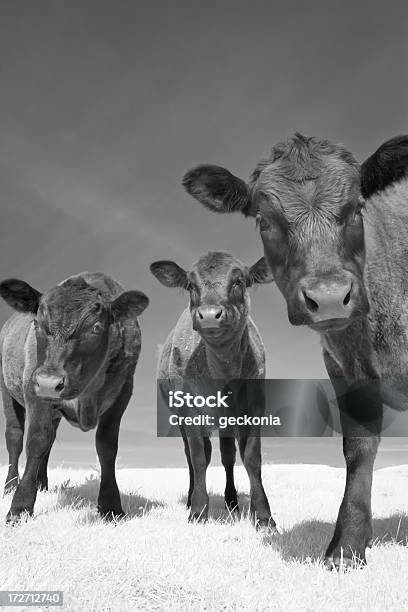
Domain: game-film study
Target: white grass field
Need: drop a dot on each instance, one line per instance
(155, 560)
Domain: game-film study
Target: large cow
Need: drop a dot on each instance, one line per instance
(215, 338)
(69, 352)
(336, 238)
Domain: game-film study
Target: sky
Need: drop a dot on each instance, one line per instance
(105, 105)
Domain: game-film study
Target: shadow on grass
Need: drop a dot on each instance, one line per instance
(309, 539)
(217, 510)
(86, 494)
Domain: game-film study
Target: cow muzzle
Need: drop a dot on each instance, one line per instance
(49, 386)
(324, 301)
(210, 317)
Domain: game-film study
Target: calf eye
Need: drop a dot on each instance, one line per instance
(262, 223)
(237, 288)
(97, 328)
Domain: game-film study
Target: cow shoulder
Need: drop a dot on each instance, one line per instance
(18, 353)
(256, 353)
(185, 357)
(164, 358)
(388, 165)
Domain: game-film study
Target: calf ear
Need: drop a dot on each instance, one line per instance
(219, 190)
(129, 304)
(388, 165)
(260, 273)
(20, 295)
(169, 274)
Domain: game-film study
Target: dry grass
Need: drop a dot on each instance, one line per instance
(154, 560)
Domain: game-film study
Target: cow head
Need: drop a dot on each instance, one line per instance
(73, 324)
(308, 206)
(218, 287)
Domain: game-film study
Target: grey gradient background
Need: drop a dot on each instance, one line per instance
(103, 107)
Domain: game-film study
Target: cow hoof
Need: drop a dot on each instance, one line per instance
(14, 516)
(232, 507)
(267, 530)
(344, 564)
(198, 517)
(345, 557)
(265, 524)
(111, 515)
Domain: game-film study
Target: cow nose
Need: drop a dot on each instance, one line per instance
(324, 301)
(210, 317)
(49, 386)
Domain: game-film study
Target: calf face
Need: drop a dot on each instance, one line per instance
(72, 323)
(218, 286)
(307, 202)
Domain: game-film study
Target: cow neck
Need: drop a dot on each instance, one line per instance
(226, 361)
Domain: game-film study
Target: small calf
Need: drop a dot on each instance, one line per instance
(70, 352)
(215, 338)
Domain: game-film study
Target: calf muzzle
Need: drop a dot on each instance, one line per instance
(210, 317)
(48, 386)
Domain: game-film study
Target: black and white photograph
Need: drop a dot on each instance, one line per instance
(203, 306)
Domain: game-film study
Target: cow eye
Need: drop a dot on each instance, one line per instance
(237, 288)
(262, 223)
(194, 295)
(97, 328)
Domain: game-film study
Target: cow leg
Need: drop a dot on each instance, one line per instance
(39, 436)
(107, 434)
(42, 476)
(228, 454)
(250, 450)
(200, 453)
(190, 466)
(361, 419)
(15, 417)
(353, 531)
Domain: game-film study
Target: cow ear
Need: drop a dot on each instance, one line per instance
(169, 274)
(388, 165)
(260, 273)
(129, 304)
(20, 295)
(219, 190)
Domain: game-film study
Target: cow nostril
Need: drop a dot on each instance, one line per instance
(311, 304)
(200, 315)
(218, 315)
(60, 385)
(347, 298)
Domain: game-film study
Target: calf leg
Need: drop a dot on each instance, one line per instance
(228, 454)
(200, 453)
(190, 466)
(250, 450)
(107, 434)
(39, 436)
(361, 411)
(42, 476)
(353, 531)
(15, 416)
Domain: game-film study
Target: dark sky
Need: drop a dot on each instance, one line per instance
(103, 107)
